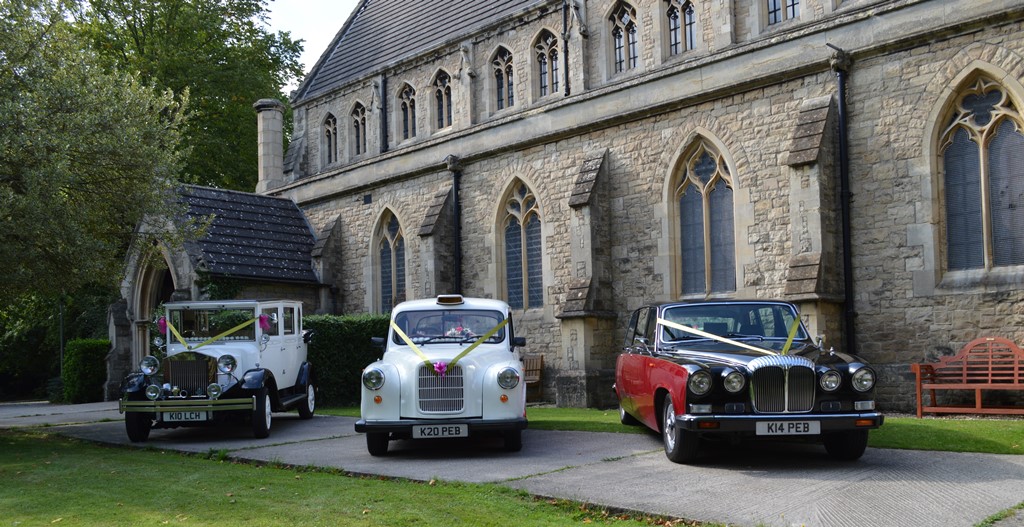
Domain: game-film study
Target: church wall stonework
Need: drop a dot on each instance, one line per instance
(743, 99)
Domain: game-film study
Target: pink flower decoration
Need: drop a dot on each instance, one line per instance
(161, 324)
(440, 368)
(264, 322)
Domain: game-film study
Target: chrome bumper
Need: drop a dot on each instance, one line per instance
(748, 423)
(187, 405)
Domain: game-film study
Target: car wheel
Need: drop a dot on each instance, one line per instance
(377, 443)
(625, 418)
(138, 425)
(680, 445)
(307, 408)
(261, 414)
(513, 440)
(846, 446)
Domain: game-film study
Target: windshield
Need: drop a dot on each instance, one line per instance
(201, 324)
(770, 321)
(448, 325)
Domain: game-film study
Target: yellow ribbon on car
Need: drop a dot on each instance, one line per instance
(712, 336)
(405, 338)
(178, 336)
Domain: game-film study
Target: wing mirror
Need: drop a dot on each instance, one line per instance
(518, 342)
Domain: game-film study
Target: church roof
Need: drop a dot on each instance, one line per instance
(382, 32)
(251, 236)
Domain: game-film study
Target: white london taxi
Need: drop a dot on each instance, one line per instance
(450, 369)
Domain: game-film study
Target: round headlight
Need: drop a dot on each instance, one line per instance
(863, 379)
(226, 363)
(149, 365)
(734, 382)
(152, 392)
(508, 378)
(373, 379)
(700, 382)
(830, 381)
(158, 341)
(213, 390)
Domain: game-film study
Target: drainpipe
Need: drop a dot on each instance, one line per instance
(455, 167)
(840, 64)
(383, 113)
(565, 45)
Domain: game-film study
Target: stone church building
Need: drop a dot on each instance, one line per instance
(578, 158)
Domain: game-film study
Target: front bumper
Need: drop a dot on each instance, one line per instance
(725, 423)
(188, 405)
(405, 426)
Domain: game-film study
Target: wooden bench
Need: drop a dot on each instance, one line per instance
(533, 370)
(987, 363)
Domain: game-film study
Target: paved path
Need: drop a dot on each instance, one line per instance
(761, 484)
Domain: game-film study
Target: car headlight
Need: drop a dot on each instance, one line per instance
(153, 392)
(149, 365)
(830, 381)
(158, 341)
(734, 382)
(700, 382)
(226, 363)
(863, 379)
(214, 390)
(373, 379)
(508, 378)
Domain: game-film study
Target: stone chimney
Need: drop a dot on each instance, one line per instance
(270, 120)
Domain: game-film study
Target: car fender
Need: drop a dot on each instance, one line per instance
(668, 377)
(492, 406)
(305, 375)
(388, 409)
(134, 383)
(255, 379)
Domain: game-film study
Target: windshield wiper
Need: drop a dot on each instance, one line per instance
(742, 336)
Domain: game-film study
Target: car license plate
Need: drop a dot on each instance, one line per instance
(438, 431)
(184, 416)
(788, 428)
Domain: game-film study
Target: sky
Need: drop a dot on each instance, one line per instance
(313, 21)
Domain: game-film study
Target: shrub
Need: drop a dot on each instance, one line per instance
(85, 370)
(339, 351)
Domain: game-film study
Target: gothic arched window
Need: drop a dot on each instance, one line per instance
(982, 153)
(624, 38)
(706, 242)
(391, 270)
(524, 276)
(504, 85)
(443, 98)
(681, 27)
(407, 101)
(547, 63)
(359, 129)
(330, 139)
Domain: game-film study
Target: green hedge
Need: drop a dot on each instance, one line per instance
(340, 350)
(85, 370)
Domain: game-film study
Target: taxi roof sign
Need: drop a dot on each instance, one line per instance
(450, 300)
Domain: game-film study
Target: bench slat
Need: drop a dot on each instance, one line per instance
(986, 363)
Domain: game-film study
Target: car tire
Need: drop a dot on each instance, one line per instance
(513, 440)
(846, 446)
(261, 417)
(138, 425)
(680, 445)
(625, 418)
(308, 406)
(377, 443)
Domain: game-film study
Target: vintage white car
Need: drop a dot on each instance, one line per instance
(226, 361)
(450, 369)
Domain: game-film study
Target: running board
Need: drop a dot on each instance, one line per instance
(291, 401)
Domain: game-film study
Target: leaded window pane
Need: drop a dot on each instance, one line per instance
(400, 270)
(514, 263)
(964, 237)
(981, 106)
(691, 230)
(554, 71)
(705, 168)
(723, 250)
(674, 31)
(386, 288)
(774, 11)
(500, 83)
(535, 286)
(1006, 189)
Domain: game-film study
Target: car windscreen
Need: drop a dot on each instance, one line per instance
(201, 324)
(448, 325)
(732, 321)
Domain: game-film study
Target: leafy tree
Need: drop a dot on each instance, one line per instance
(219, 50)
(86, 154)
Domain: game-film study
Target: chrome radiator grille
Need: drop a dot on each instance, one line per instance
(439, 394)
(782, 384)
(191, 376)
